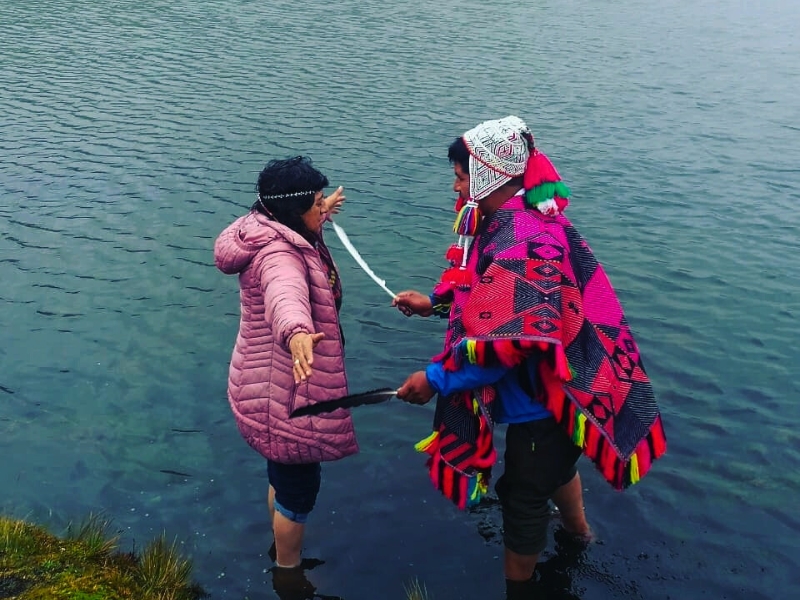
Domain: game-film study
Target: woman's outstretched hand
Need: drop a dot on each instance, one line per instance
(333, 203)
(411, 302)
(416, 389)
(302, 348)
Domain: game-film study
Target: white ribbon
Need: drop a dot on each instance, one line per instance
(361, 262)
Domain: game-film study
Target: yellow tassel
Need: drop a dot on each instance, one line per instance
(472, 356)
(476, 491)
(634, 468)
(423, 445)
(481, 488)
(476, 408)
(579, 435)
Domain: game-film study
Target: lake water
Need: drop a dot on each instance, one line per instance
(131, 133)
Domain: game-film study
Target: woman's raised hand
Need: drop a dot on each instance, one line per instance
(334, 202)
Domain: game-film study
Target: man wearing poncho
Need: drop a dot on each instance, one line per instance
(536, 339)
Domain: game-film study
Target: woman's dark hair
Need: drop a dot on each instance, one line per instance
(458, 154)
(286, 189)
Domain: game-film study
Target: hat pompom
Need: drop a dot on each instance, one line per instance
(544, 189)
(539, 170)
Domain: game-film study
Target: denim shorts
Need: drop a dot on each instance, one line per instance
(296, 488)
(540, 458)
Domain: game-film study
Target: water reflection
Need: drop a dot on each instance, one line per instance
(555, 575)
(292, 584)
(553, 578)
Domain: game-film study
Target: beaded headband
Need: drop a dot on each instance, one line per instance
(292, 195)
(261, 198)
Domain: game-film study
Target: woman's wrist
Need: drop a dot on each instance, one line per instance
(293, 336)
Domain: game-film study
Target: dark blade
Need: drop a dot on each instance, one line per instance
(370, 397)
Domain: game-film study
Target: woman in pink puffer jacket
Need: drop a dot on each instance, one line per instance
(289, 349)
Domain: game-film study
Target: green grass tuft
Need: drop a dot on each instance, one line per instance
(416, 591)
(86, 565)
(93, 533)
(162, 568)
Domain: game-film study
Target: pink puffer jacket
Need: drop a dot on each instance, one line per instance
(283, 290)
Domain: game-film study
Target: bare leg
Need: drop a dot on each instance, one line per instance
(288, 540)
(288, 535)
(271, 503)
(519, 567)
(569, 500)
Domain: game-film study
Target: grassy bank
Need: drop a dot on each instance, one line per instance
(86, 564)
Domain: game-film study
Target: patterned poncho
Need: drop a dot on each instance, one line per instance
(534, 289)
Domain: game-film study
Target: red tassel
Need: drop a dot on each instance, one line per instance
(455, 277)
(462, 496)
(447, 481)
(434, 469)
(455, 254)
(562, 203)
(510, 354)
(611, 466)
(562, 366)
(460, 202)
(480, 353)
(644, 458)
(658, 437)
(539, 170)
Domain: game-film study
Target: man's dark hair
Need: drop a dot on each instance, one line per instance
(277, 184)
(458, 154)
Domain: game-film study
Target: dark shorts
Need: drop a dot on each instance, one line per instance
(539, 458)
(296, 488)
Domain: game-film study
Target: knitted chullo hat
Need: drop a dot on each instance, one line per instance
(502, 149)
(498, 152)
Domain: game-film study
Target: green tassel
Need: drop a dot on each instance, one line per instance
(546, 191)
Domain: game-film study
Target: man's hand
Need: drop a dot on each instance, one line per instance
(411, 302)
(416, 389)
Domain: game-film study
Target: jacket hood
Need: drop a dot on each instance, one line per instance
(239, 243)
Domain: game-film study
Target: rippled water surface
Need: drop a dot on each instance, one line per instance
(131, 133)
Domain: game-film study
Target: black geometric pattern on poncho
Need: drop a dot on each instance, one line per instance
(508, 328)
(495, 232)
(457, 327)
(635, 407)
(542, 248)
(584, 264)
(519, 267)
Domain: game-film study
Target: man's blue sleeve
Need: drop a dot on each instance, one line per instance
(468, 377)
